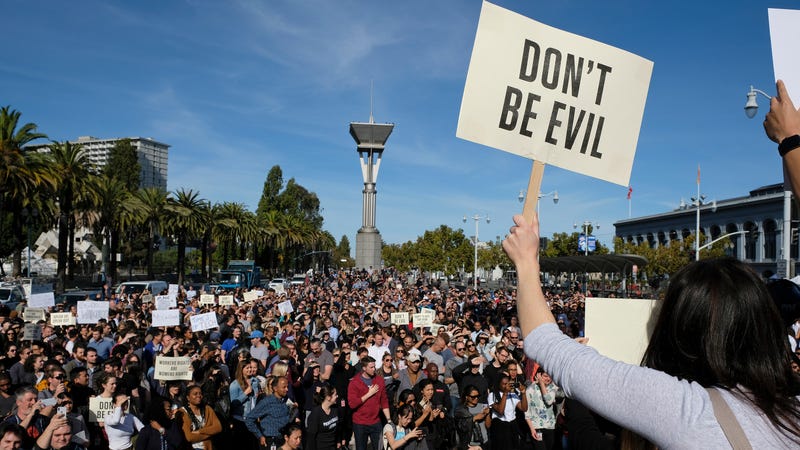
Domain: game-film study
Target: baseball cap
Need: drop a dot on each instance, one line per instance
(256, 334)
(413, 356)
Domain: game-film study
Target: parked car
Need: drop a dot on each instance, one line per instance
(136, 287)
(298, 279)
(277, 283)
(71, 298)
(11, 295)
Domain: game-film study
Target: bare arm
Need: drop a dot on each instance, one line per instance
(782, 121)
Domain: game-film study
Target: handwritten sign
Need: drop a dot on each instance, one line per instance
(422, 320)
(285, 307)
(430, 312)
(205, 321)
(400, 318)
(62, 319)
(172, 291)
(251, 296)
(226, 300)
(549, 95)
(90, 311)
(619, 328)
(166, 318)
(42, 300)
(147, 298)
(165, 302)
(191, 294)
(173, 368)
(100, 408)
(207, 299)
(32, 332)
(33, 315)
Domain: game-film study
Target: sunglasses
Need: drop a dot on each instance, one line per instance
(58, 377)
(473, 396)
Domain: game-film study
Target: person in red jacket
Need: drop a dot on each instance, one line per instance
(366, 395)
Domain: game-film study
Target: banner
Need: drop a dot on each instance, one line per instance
(33, 315)
(173, 368)
(43, 300)
(90, 311)
(166, 318)
(553, 96)
(400, 318)
(62, 319)
(205, 321)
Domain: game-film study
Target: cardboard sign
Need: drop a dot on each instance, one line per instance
(422, 320)
(251, 296)
(172, 291)
(166, 318)
(552, 96)
(205, 321)
(165, 302)
(285, 307)
(147, 298)
(207, 299)
(784, 34)
(42, 300)
(191, 294)
(173, 368)
(62, 319)
(619, 328)
(90, 311)
(100, 407)
(279, 289)
(400, 318)
(33, 315)
(428, 311)
(226, 300)
(32, 332)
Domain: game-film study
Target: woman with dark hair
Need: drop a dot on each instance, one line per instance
(402, 433)
(717, 343)
(431, 415)
(243, 391)
(292, 437)
(473, 421)
(540, 416)
(505, 401)
(323, 421)
(32, 370)
(199, 422)
(160, 431)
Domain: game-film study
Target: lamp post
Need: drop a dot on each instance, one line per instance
(586, 224)
(29, 212)
(477, 218)
(750, 109)
(523, 193)
(697, 202)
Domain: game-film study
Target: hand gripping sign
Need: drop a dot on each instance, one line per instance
(553, 97)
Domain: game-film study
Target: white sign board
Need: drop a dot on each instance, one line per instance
(32, 332)
(166, 318)
(251, 296)
(784, 34)
(422, 320)
(285, 307)
(191, 294)
(62, 319)
(400, 318)
(619, 328)
(173, 368)
(147, 298)
(226, 300)
(165, 302)
(33, 315)
(90, 311)
(207, 299)
(552, 96)
(205, 321)
(172, 291)
(100, 407)
(42, 300)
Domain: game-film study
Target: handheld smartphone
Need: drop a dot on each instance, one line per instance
(62, 410)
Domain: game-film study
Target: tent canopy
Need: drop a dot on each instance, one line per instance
(593, 264)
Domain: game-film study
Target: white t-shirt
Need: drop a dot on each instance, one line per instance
(509, 414)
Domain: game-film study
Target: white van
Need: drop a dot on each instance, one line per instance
(136, 287)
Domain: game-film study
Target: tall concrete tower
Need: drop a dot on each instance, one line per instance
(370, 140)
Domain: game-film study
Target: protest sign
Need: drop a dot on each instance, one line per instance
(62, 319)
(100, 408)
(552, 96)
(42, 300)
(400, 318)
(172, 291)
(147, 298)
(191, 294)
(32, 332)
(422, 320)
(259, 293)
(250, 296)
(784, 34)
(205, 321)
(279, 289)
(226, 300)
(166, 318)
(619, 328)
(33, 315)
(173, 368)
(165, 302)
(285, 307)
(207, 299)
(430, 312)
(90, 311)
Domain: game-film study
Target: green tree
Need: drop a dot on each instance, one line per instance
(149, 206)
(297, 201)
(665, 260)
(443, 249)
(564, 244)
(123, 164)
(113, 209)
(22, 173)
(272, 188)
(342, 252)
(186, 219)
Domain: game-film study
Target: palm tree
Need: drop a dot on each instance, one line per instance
(71, 166)
(21, 174)
(216, 229)
(150, 205)
(112, 210)
(186, 218)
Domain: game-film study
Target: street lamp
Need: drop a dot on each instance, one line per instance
(28, 213)
(697, 202)
(554, 194)
(586, 224)
(477, 219)
(750, 108)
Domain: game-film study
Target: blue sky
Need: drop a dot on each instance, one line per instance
(238, 86)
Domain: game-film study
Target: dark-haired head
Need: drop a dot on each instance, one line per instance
(719, 327)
